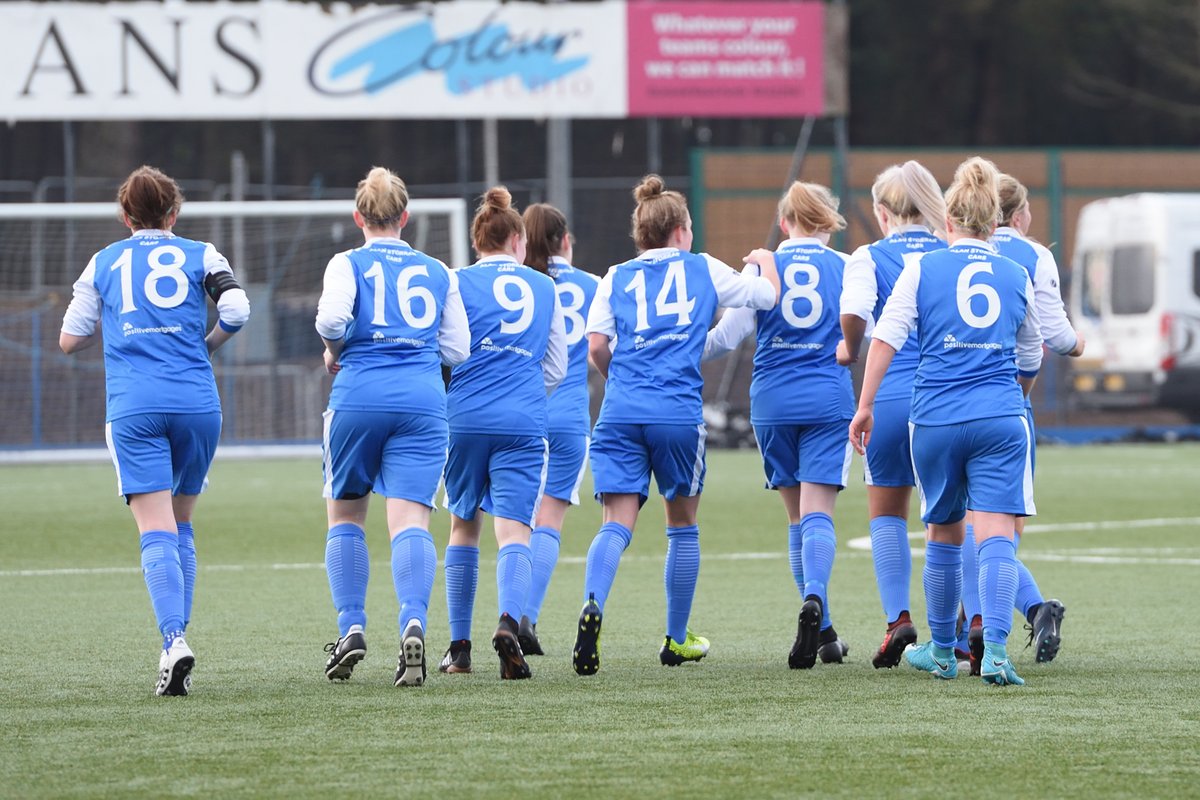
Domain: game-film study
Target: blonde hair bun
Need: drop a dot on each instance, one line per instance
(651, 186)
(498, 197)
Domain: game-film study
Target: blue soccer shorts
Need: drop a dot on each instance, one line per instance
(503, 475)
(392, 453)
(568, 462)
(795, 454)
(624, 455)
(983, 465)
(154, 452)
(889, 458)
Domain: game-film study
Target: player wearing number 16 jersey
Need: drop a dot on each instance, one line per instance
(800, 403)
(657, 307)
(497, 406)
(163, 414)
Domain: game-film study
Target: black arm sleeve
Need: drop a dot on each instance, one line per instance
(218, 283)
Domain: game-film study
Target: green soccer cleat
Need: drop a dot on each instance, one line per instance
(585, 658)
(673, 653)
(996, 668)
(940, 662)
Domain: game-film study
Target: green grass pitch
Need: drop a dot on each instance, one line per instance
(1117, 714)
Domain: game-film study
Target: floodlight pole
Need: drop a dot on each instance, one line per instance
(491, 152)
(558, 165)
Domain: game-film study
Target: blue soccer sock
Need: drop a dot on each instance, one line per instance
(604, 556)
(543, 548)
(164, 578)
(679, 577)
(187, 562)
(943, 579)
(1029, 596)
(796, 555)
(349, 568)
(462, 576)
(997, 587)
(970, 577)
(514, 571)
(820, 544)
(414, 565)
(893, 564)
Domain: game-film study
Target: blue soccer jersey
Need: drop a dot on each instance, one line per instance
(1057, 332)
(501, 387)
(568, 409)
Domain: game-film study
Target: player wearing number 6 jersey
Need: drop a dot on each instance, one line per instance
(568, 418)
(163, 415)
(980, 349)
(657, 307)
(390, 316)
(497, 404)
(800, 402)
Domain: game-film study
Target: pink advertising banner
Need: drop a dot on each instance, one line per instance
(729, 59)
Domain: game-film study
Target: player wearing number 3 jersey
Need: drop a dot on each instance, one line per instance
(657, 308)
(163, 413)
(497, 406)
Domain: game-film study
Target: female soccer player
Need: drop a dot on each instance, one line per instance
(657, 307)
(498, 448)
(1010, 239)
(389, 316)
(911, 214)
(548, 249)
(980, 348)
(163, 415)
(800, 403)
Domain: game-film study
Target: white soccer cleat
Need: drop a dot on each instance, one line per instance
(175, 669)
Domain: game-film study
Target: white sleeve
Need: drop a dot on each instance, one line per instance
(736, 289)
(84, 311)
(1029, 336)
(554, 363)
(735, 325)
(454, 334)
(335, 309)
(233, 307)
(899, 316)
(860, 291)
(600, 316)
(1056, 328)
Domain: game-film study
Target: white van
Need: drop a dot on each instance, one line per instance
(1135, 296)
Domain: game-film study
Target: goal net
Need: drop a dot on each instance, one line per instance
(272, 383)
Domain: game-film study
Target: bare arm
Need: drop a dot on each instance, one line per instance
(599, 352)
(71, 343)
(879, 358)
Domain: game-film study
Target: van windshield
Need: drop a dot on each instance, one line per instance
(1132, 279)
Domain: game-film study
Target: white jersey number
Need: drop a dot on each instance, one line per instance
(965, 291)
(406, 295)
(166, 262)
(522, 303)
(572, 298)
(675, 281)
(796, 291)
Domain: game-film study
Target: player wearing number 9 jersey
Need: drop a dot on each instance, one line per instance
(390, 316)
(980, 349)
(163, 413)
(568, 419)
(497, 407)
(658, 308)
(800, 403)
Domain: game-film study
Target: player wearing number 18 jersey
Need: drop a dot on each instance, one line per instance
(657, 307)
(163, 413)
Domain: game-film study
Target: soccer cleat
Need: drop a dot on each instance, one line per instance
(585, 658)
(1046, 630)
(832, 649)
(527, 636)
(928, 657)
(345, 653)
(808, 636)
(175, 666)
(513, 666)
(457, 658)
(975, 643)
(997, 669)
(900, 634)
(673, 653)
(410, 666)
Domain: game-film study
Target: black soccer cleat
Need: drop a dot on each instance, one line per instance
(975, 645)
(513, 666)
(585, 658)
(410, 666)
(808, 636)
(1046, 631)
(900, 634)
(832, 649)
(457, 659)
(344, 654)
(527, 636)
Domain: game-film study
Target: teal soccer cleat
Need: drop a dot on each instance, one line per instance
(997, 669)
(940, 662)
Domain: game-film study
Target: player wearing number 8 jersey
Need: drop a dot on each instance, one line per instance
(657, 307)
(163, 413)
(497, 406)
(800, 402)
(980, 349)
(389, 316)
